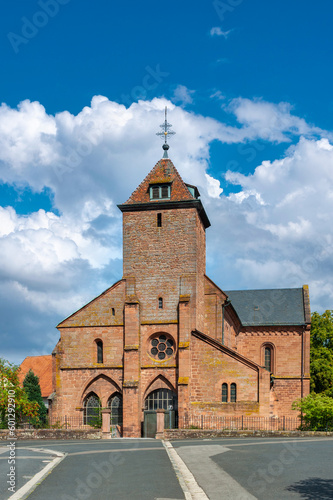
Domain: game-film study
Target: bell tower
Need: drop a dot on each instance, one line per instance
(164, 260)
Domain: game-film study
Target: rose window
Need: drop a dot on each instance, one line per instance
(162, 347)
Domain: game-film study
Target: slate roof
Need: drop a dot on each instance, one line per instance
(284, 306)
(42, 367)
(163, 172)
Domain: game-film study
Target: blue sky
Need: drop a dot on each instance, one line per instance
(248, 87)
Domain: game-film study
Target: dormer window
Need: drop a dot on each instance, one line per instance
(160, 192)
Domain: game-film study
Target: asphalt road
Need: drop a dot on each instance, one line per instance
(273, 469)
(235, 469)
(109, 469)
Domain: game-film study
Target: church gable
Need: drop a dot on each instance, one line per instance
(218, 366)
(104, 310)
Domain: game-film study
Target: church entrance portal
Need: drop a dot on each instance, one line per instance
(160, 399)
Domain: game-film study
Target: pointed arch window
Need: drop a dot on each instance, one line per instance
(115, 403)
(92, 410)
(99, 347)
(224, 393)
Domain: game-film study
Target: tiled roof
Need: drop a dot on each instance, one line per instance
(42, 367)
(163, 172)
(284, 306)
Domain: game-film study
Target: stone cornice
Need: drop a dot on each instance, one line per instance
(168, 205)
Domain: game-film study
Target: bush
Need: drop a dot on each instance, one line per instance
(316, 411)
(14, 403)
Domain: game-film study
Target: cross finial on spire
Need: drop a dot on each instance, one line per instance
(166, 131)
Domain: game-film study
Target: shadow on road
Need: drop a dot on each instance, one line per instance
(313, 488)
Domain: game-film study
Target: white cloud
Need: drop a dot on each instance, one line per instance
(217, 31)
(266, 120)
(276, 228)
(213, 187)
(275, 231)
(183, 95)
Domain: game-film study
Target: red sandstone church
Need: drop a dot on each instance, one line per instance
(165, 336)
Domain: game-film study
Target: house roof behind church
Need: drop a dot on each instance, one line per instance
(42, 367)
(284, 306)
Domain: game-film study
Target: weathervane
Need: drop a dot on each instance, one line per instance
(166, 131)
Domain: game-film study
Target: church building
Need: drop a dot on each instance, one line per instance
(165, 336)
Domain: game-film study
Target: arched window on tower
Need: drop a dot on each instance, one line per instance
(160, 303)
(233, 393)
(99, 346)
(224, 393)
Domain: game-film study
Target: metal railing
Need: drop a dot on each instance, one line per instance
(202, 422)
(64, 422)
(214, 422)
(69, 423)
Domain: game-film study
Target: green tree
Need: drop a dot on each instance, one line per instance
(33, 391)
(317, 411)
(321, 353)
(14, 402)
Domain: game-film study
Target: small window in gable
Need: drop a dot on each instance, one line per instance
(160, 192)
(160, 303)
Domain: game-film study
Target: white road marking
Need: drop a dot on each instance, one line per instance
(23, 492)
(190, 487)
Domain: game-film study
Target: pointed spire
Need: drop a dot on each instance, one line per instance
(166, 131)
